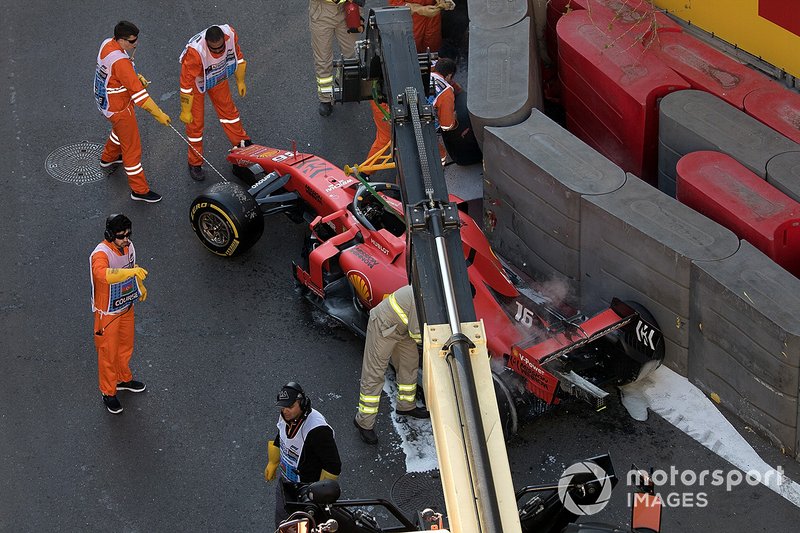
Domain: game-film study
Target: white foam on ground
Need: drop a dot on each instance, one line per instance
(416, 435)
(680, 403)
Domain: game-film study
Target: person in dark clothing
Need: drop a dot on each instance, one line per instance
(304, 449)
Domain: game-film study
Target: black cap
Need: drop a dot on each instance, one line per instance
(287, 396)
(118, 222)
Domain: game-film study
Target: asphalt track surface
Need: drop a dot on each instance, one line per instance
(216, 338)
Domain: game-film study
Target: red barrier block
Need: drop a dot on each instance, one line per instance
(612, 85)
(708, 69)
(777, 107)
(725, 191)
(637, 16)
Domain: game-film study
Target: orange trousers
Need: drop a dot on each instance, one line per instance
(114, 349)
(427, 31)
(124, 140)
(383, 130)
(220, 96)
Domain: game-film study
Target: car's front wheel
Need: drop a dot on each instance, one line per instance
(226, 219)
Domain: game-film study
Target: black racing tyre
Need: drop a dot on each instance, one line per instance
(637, 365)
(226, 219)
(506, 405)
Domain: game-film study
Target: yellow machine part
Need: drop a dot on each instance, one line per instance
(455, 460)
(768, 29)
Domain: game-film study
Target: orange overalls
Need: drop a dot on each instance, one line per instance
(444, 104)
(383, 128)
(124, 87)
(114, 343)
(192, 79)
(427, 30)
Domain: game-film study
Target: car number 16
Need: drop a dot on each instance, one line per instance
(524, 315)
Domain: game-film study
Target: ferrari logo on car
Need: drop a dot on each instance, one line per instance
(360, 285)
(268, 153)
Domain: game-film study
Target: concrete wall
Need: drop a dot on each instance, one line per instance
(503, 79)
(534, 176)
(694, 120)
(744, 341)
(638, 244)
(556, 208)
(783, 173)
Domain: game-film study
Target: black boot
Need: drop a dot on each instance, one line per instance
(417, 412)
(367, 435)
(325, 108)
(197, 173)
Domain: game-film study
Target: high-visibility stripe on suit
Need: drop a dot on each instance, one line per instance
(114, 344)
(392, 335)
(203, 72)
(116, 88)
(326, 21)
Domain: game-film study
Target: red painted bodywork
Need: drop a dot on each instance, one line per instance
(375, 265)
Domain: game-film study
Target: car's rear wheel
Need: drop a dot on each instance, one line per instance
(505, 404)
(515, 404)
(226, 219)
(638, 362)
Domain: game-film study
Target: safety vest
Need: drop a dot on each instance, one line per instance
(292, 448)
(101, 75)
(439, 86)
(215, 69)
(404, 318)
(123, 294)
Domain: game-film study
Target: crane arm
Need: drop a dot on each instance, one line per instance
(476, 476)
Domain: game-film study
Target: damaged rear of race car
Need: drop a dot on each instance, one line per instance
(579, 357)
(356, 254)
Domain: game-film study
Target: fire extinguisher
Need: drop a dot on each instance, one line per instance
(352, 17)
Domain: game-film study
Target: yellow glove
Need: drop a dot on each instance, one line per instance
(274, 460)
(115, 275)
(142, 290)
(150, 106)
(240, 69)
(327, 475)
(186, 108)
(144, 80)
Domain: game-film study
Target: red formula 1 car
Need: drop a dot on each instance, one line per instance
(356, 254)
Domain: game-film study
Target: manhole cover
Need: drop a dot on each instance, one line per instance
(76, 163)
(416, 491)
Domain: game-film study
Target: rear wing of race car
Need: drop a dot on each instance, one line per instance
(637, 339)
